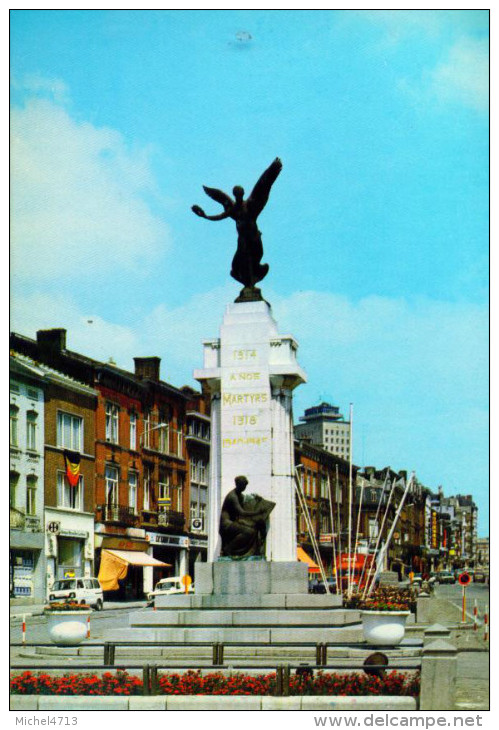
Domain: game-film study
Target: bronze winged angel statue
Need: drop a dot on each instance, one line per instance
(246, 264)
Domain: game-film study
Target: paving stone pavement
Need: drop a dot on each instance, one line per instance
(473, 670)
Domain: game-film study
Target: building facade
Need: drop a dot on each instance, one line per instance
(325, 426)
(26, 481)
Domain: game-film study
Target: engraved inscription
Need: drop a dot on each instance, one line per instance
(236, 377)
(244, 355)
(240, 399)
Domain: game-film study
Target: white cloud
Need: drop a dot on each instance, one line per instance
(79, 197)
(464, 74)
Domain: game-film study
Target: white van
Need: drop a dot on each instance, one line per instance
(168, 587)
(82, 590)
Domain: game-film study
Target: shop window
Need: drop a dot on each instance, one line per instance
(31, 485)
(69, 497)
(31, 423)
(14, 432)
(69, 432)
(112, 422)
(69, 557)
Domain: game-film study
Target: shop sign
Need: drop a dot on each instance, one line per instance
(174, 540)
(197, 542)
(119, 543)
(136, 532)
(74, 533)
(326, 537)
(54, 527)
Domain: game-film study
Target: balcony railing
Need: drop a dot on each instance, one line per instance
(116, 513)
(17, 519)
(166, 518)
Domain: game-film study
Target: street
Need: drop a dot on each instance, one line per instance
(478, 592)
(36, 626)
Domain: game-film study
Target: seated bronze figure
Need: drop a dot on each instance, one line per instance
(243, 523)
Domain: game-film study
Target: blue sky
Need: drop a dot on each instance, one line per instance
(376, 231)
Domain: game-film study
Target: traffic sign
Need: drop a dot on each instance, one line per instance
(186, 580)
(464, 579)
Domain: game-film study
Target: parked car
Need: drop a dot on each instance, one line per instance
(169, 587)
(445, 576)
(480, 576)
(82, 590)
(317, 586)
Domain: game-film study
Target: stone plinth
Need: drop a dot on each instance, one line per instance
(251, 372)
(250, 577)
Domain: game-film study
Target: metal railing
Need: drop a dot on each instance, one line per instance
(150, 677)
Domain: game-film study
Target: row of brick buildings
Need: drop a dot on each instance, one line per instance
(143, 451)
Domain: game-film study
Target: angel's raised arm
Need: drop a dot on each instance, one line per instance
(260, 193)
(200, 212)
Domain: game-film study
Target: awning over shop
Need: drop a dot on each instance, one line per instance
(304, 558)
(114, 566)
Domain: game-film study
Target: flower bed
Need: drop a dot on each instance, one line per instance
(216, 683)
(383, 598)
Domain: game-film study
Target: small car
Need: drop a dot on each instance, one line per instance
(479, 576)
(169, 587)
(82, 590)
(445, 576)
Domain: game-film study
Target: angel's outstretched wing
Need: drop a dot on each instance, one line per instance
(220, 197)
(260, 193)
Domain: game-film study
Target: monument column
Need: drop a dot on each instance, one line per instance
(251, 372)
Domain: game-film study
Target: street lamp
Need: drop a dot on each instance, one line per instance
(148, 431)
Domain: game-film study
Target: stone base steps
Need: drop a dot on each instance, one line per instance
(317, 618)
(250, 601)
(266, 635)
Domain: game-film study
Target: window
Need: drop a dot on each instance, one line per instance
(164, 492)
(31, 417)
(69, 432)
(112, 414)
(69, 497)
(111, 475)
(145, 435)
(13, 482)
(147, 488)
(180, 493)
(32, 393)
(132, 490)
(180, 439)
(373, 529)
(133, 430)
(164, 435)
(15, 388)
(14, 414)
(31, 484)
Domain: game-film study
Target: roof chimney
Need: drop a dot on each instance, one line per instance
(147, 367)
(53, 340)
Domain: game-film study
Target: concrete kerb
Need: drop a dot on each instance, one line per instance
(212, 702)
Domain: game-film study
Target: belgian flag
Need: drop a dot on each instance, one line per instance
(72, 464)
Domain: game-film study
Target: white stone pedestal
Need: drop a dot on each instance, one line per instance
(251, 372)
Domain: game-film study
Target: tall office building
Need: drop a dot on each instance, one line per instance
(325, 426)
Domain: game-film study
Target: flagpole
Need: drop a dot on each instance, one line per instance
(332, 530)
(338, 508)
(349, 590)
(376, 521)
(394, 523)
(379, 535)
